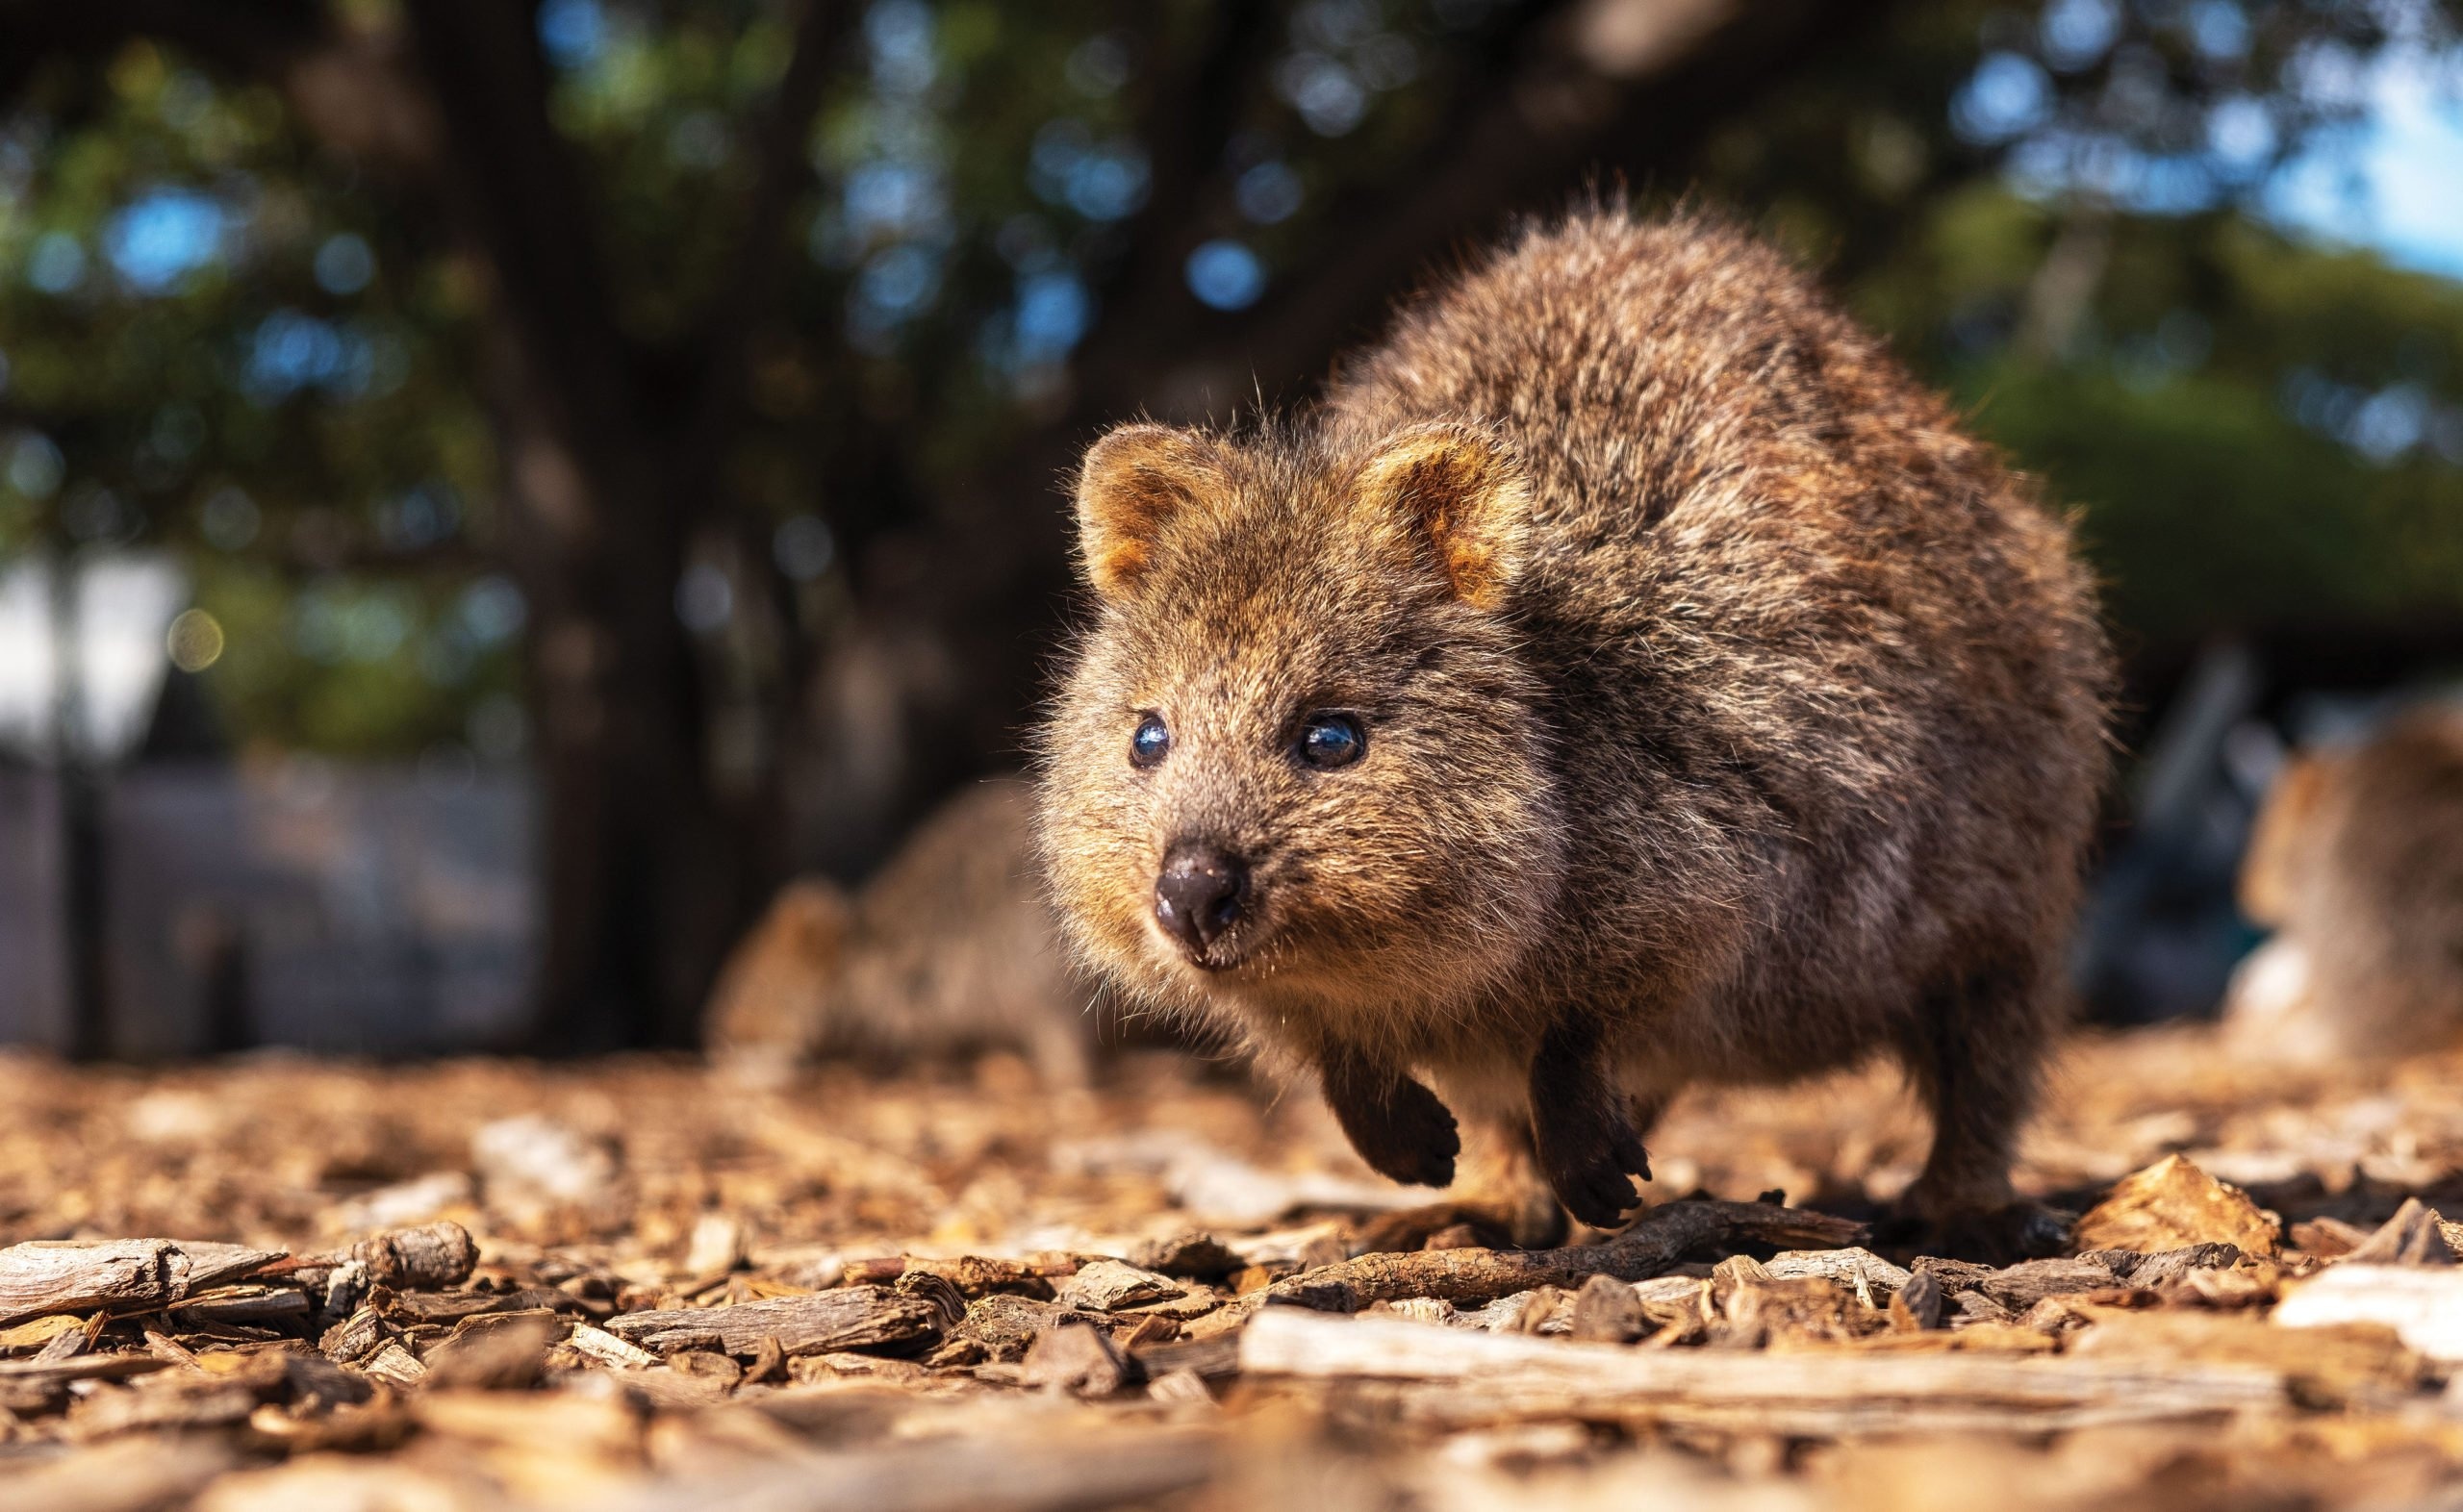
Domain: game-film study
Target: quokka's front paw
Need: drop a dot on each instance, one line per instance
(1586, 1164)
(1398, 1125)
(1413, 1139)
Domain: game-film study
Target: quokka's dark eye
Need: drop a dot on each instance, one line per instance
(1332, 740)
(1150, 739)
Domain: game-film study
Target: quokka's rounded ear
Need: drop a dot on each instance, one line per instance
(1130, 485)
(1465, 496)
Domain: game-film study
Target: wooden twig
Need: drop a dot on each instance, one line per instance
(1662, 1238)
(1490, 1377)
(133, 1274)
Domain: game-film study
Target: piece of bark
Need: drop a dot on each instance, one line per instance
(607, 1350)
(1954, 1276)
(429, 1258)
(1502, 1377)
(125, 1274)
(1080, 1360)
(451, 1307)
(2424, 1305)
(851, 1318)
(394, 1366)
(2328, 1238)
(354, 1336)
(999, 1327)
(245, 1305)
(2171, 1205)
(708, 1365)
(979, 1275)
(2020, 1287)
(123, 1476)
(169, 1352)
(35, 1334)
(1973, 1306)
(2170, 1264)
(1214, 1360)
(1180, 1389)
(186, 1401)
(1664, 1237)
(1430, 1309)
(1874, 1280)
(995, 1471)
(2413, 1236)
(603, 1426)
(769, 1363)
(1917, 1306)
(1605, 1311)
(1190, 1256)
(85, 1367)
(2338, 1366)
(500, 1351)
(935, 1290)
(716, 1245)
(315, 1384)
(1108, 1285)
(69, 1343)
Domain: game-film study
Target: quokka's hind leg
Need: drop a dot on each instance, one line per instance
(1977, 1056)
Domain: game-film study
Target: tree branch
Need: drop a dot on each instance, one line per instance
(1586, 95)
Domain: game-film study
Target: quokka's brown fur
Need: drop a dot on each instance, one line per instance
(1730, 714)
(950, 948)
(2356, 862)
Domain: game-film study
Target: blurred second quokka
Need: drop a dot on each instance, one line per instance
(2356, 863)
(948, 951)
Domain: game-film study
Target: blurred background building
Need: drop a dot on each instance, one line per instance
(488, 489)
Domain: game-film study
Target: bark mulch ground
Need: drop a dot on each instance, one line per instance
(281, 1283)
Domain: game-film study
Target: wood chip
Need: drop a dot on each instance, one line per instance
(716, 1247)
(1875, 1279)
(608, 1350)
(1918, 1304)
(26, 1337)
(394, 1366)
(125, 1474)
(2020, 1287)
(1108, 1285)
(1080, 1360)
(2173, 1205)
(851, 1318)
(2424, 1305)
(500, 1351)
(1190, 1256)
(245, 1305)
(1605, 1311)
(2413, 1236)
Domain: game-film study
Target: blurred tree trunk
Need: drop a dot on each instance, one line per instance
(611, 459)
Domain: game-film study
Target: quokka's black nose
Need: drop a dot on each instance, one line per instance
(1198, 894)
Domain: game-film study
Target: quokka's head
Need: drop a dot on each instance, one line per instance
(1299, 763)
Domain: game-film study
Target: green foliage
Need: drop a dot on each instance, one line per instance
(298, 411)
